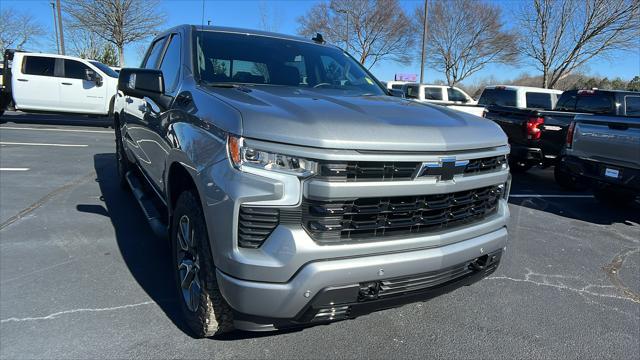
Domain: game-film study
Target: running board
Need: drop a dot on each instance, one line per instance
(154, 217)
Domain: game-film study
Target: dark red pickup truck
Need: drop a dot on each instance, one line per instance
(538, 136)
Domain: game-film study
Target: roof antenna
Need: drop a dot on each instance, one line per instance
(318, 39)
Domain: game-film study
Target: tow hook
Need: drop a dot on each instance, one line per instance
(480, 263)
(369, 290)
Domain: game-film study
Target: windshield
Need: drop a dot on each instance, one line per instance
(104, 68)
(229, 58)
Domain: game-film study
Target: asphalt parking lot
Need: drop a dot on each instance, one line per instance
(82, 276)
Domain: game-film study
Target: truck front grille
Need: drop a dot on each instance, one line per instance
(370, 218)
(395, 171)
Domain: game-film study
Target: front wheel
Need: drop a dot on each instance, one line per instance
(205, 310)
(519, 166)
(123, 163)
(566, 180)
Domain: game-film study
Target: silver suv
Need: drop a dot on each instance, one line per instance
(294, 189)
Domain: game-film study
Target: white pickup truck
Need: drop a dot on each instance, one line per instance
(57, 83)
(451, 97)
(522, 97)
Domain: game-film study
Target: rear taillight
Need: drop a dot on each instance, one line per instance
(534, 128)
(570, 131)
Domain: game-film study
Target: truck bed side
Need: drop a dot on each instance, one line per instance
(607, 139)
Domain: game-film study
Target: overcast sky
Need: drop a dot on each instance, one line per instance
(282, 16)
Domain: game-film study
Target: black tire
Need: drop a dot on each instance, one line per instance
(208, 314)
(566, 180)
(519, 166)
(612, 197)
(123, 163)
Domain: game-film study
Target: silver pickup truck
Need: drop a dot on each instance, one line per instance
(604, 152)
(294, 189)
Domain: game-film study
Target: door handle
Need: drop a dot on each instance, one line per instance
(66, 83)
(24, 80)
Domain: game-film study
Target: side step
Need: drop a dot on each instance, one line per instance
(154, 217)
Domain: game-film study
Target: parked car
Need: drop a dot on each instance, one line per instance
(294, 190)
(57, 83)
(604, 152)
(538, 136)
(394, 84)
(451, 97)
(522, 97)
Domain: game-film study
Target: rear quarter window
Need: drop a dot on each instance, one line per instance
(537, 100)
(501, 97)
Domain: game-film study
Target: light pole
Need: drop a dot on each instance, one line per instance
(60, 26)
(55, 25)
(424, 39)
(346, 32)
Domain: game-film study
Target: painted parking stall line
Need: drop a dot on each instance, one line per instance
(59, 130)
(14, 169)
(565, 196)
(41, 144)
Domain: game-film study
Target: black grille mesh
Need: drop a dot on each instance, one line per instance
(394, 171)
(368, 218)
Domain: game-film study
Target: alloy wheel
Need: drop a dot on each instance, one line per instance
(188, 264)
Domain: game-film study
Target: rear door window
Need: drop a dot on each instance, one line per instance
(501, 97)
(38, 65)
(536, 100)
(632, 105)
(597, 103)
(432, 93)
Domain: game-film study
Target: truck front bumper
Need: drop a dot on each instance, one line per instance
(343, 288)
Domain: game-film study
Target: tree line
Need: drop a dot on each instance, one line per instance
(557, 37)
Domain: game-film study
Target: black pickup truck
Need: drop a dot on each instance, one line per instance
(538, 136)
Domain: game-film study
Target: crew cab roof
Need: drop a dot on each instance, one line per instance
(236, 30)
(525, 88)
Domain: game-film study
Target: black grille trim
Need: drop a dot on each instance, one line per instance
(255, 224)
(367, 219)
(353, 171)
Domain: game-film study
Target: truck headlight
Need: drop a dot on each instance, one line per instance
(241, 156)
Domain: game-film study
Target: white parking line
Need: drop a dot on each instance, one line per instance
(550, 196)
(63, 130)
(14, 169)
(41, 144)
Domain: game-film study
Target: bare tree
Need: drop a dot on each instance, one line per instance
(83, 43)
(119, 22)
(17, 29)
(373, 30)
(464, 36)
(269, 16)
(559, 36)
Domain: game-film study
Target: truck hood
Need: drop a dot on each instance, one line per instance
(329, 119)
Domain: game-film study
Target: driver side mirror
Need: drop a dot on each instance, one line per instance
(143, 83)
(397, 93)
